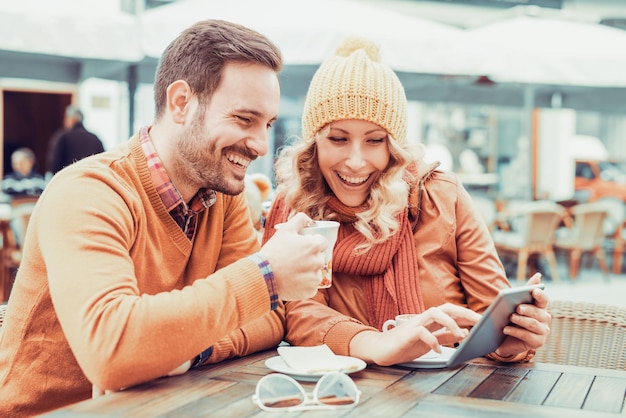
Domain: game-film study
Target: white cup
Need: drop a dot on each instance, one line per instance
(400, 319)
(329, 229)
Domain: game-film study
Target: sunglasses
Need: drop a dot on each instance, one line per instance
(279, 392)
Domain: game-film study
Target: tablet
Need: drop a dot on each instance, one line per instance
(486, 335)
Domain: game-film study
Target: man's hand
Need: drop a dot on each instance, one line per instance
(297, 260)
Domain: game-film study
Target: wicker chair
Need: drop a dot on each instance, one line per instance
(586, 334)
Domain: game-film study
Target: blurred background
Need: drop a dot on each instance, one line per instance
(509, 94)
(524, 99)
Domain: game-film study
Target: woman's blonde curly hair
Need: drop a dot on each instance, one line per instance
(300, 179)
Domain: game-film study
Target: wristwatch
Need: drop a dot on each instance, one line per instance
(515, 358)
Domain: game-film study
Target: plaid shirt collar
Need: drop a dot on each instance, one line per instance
(168, 192)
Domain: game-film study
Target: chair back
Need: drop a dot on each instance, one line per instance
(533, 227)
(586, 334)
(13, 241)
(614, 228)
(540, 220)
(616, 214)
(540, 227)
(21, 209)
(18, 201)
(588, 229)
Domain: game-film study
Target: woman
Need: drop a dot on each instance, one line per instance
(410, 240)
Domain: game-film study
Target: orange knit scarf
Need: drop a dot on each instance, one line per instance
(390, 272)
(391, 277)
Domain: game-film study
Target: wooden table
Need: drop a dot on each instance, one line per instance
(478, 389)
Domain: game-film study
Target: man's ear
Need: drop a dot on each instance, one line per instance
(178, 97)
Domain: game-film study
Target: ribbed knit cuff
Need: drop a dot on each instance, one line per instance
(340, 334)
(268, 275)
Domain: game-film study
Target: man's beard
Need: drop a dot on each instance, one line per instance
(201, 164)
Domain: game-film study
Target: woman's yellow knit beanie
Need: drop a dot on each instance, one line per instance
(354, 84)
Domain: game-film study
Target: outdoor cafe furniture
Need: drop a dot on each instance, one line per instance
(5, 232)
(481, 388)
(14, 218)
(584, 234)
(615, 230)
(533, 226)
(586, 334)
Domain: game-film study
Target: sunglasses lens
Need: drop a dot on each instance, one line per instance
(277, 391)
(337, 389)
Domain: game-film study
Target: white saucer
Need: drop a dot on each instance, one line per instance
(344, 364)
(431, 360)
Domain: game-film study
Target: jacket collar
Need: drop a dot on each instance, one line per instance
(416, 174)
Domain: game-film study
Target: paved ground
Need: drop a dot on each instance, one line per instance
(591, 286)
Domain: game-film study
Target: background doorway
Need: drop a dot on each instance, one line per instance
(29, 119)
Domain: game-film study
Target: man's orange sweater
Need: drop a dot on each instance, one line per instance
(111, 292)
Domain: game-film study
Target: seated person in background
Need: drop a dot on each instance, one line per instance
(410, 240)
(257, 190)
(23, 180)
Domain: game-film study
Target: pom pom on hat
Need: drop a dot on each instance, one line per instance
(352, 44)
(354, 84)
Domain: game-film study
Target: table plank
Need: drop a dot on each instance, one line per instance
(607, 394)
(440, 406)
(570, 391)
(466, 380)
(399, 396)
(499, 384)
(148, 400)
(236, 395)
(535, 387)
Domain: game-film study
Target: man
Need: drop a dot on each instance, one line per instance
(144, 258)
(23, 180)
(73, 143)
(22, 186)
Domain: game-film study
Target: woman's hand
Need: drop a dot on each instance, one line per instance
(443, 325)
(531, 324)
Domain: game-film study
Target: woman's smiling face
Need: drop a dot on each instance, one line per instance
(351, 155)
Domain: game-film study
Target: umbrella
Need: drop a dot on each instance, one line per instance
(308, 32)
(66, 47)
(537, 46)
